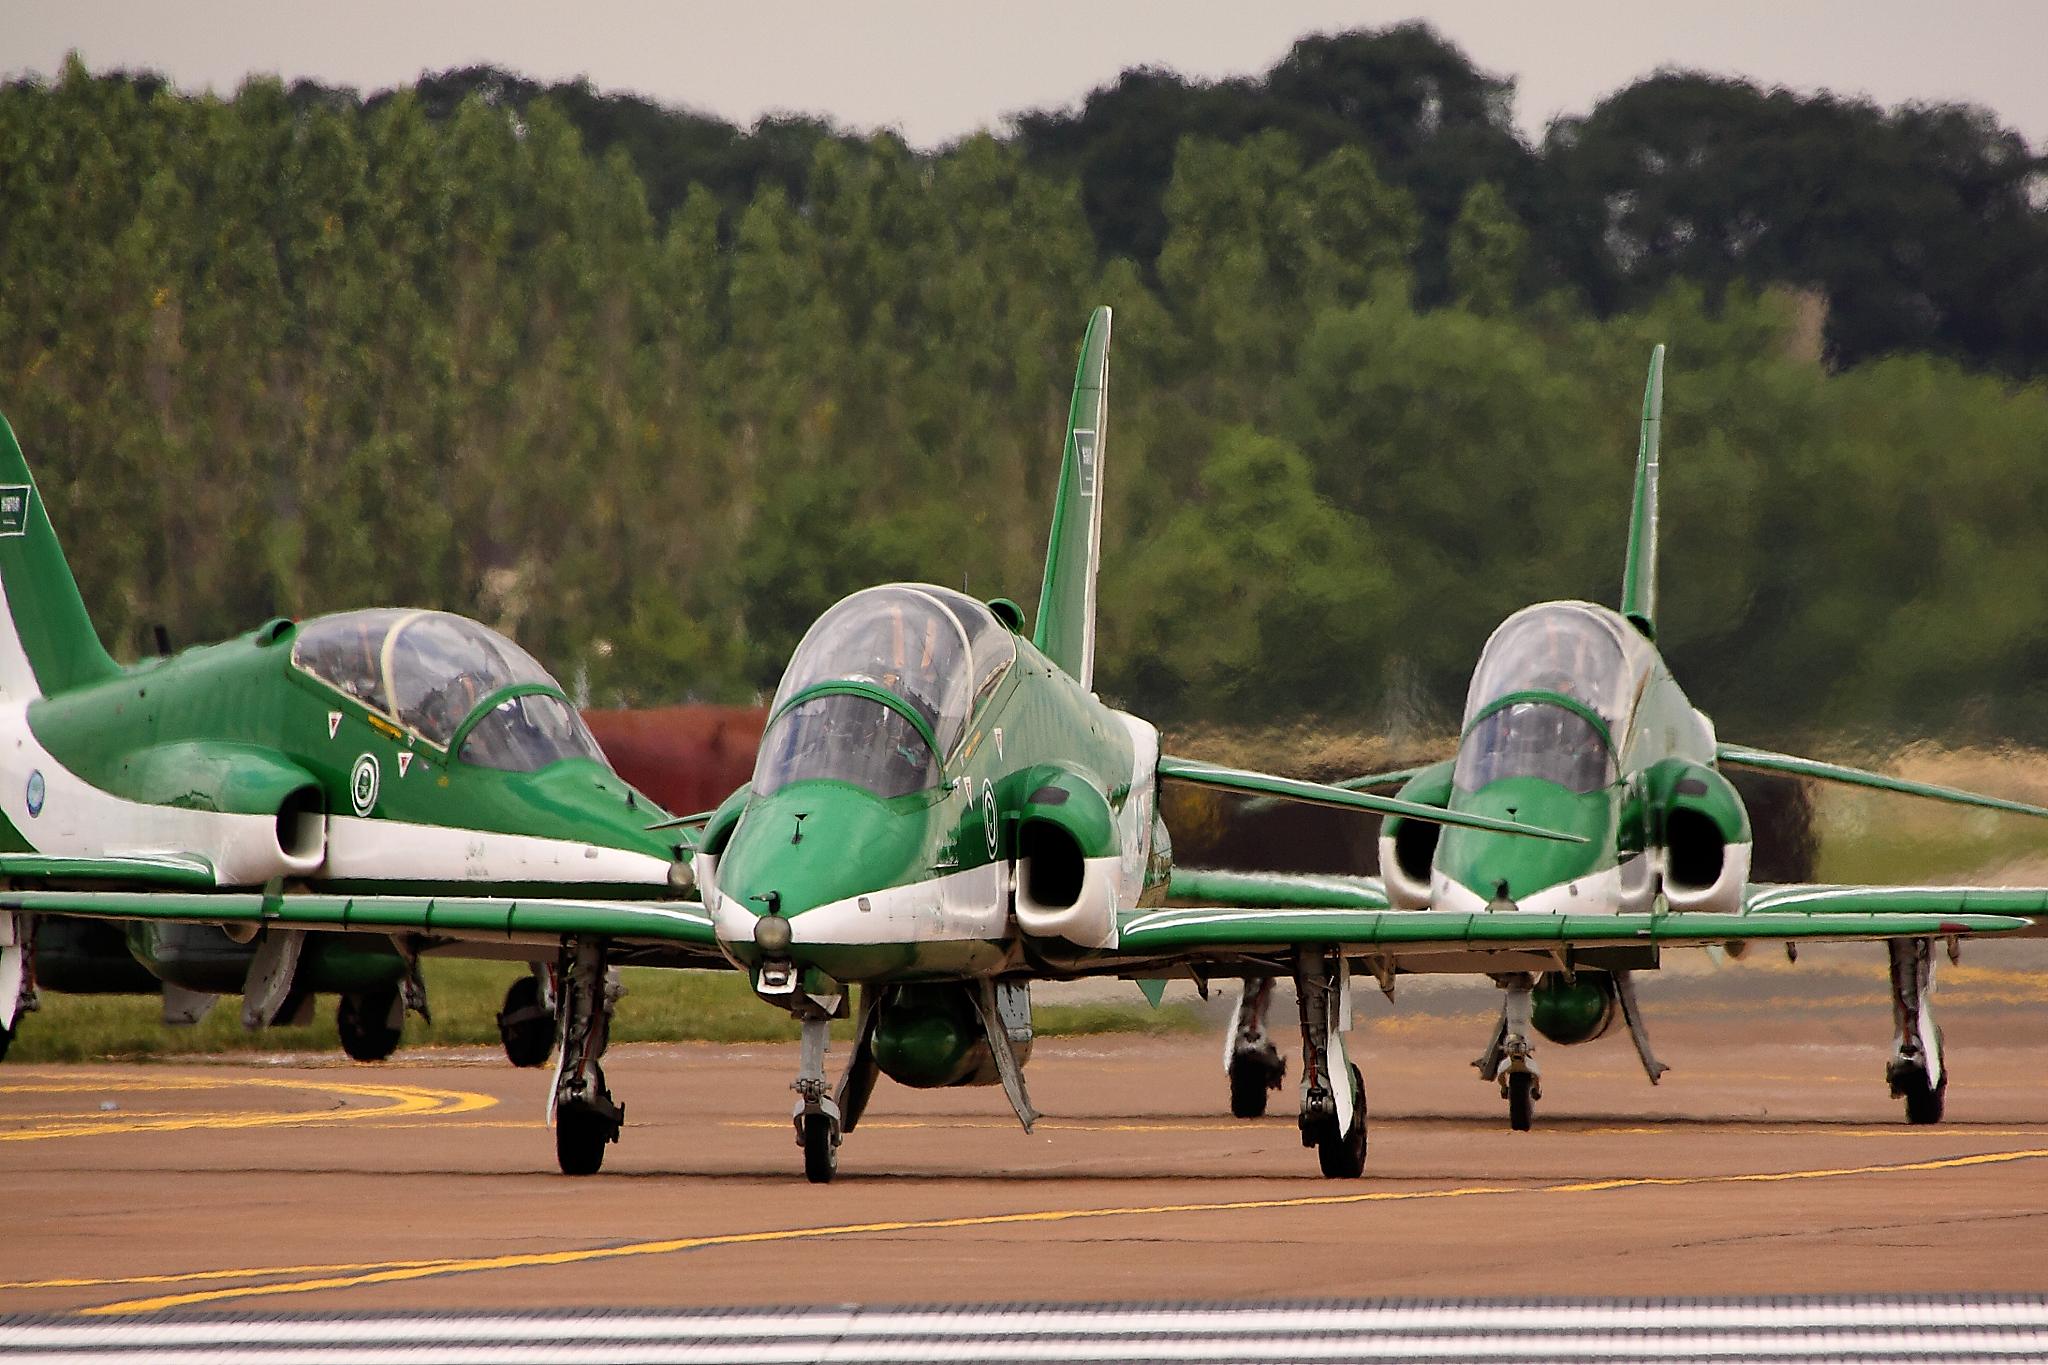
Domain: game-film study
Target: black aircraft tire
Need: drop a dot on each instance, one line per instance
(1342, 1156)
(821, 1148)
(1250, 1084)
(6, 1041)
(364, 1023)
(1925, 1103)
(580, 1140)
(526, 1030)
(1521, 1101)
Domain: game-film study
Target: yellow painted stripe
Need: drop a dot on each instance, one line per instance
(528, 1260)
(398, 1101)
(202, 1276)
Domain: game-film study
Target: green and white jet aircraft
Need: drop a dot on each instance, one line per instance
(1573, 721)
(374, 750)
(942, 812)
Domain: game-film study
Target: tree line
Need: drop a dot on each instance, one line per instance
(649, 392)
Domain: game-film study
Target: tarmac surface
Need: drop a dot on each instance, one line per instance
(1771, 1160)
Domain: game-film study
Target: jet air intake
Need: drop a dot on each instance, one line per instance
(1067, 846)
(1703, 836)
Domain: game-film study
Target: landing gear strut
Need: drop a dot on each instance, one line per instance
(1332, 1116)
(1510, 1059)
(1251, 1061)
(817, 1114)
(1918, 1072)
(586, 1117)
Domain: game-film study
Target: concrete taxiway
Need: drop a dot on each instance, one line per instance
(1769, 1161)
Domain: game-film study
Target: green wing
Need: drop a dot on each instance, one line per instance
(481, 918)
(1222, 932)
(2029, 901)
(1268, 890)
(1763, 760)
(1392, 778)
(170, 871)
(1319, 794)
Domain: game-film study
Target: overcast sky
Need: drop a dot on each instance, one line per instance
(935, 69)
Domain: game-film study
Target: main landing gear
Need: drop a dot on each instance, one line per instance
(1332, 1116)
(1918, 1072)
(1250, 1059)
(585, 1116)
(526, 1025)
(370, 1023)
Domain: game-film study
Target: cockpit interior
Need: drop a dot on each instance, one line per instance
(446, 678)
(933, 653)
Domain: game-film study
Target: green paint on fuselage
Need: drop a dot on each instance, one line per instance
(229, 727)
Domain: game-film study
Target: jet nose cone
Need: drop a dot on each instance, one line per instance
(810, 847)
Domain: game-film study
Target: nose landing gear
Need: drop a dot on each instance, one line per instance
(1510, 1058)
(817, 1113)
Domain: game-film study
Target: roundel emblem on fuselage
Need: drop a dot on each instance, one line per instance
(988, 814)
(362, 786)
(36, 791)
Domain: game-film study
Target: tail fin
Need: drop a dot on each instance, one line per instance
(1639, 578)
(1066, 606)
(47, 643)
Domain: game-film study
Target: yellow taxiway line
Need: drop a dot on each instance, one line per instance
(348, 1277)
(398, 1101)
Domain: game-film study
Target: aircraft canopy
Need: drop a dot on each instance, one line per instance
(939, 651)
(1574, 649)
(428, 670)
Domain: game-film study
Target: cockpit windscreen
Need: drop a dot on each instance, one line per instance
(1534, 739)
(1569, 648)
(428, 669)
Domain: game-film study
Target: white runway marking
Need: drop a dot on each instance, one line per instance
(1953, 1328)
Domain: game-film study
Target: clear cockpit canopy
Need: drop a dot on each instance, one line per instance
(1534, 739)
(1566, 649)
(939, 651)
(1574, 649)
(428, 670)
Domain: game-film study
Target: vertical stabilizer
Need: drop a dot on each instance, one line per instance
(1639, 578)
(47, 643)
(1066, 607)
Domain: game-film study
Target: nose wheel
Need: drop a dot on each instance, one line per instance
(1509, 1058)
(1521, 1092)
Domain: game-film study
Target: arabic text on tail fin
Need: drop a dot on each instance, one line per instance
(47, 643)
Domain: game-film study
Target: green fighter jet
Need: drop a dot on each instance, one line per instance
(942, 812)
(377, 750)
(1573, 721)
